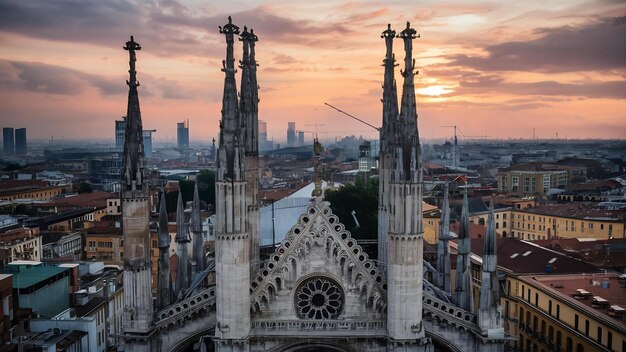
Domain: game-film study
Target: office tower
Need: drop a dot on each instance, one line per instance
(20, 141)
(120, 127)
(8, 141)
(263, 136)
(300, 137)
(291, 134)
(147, 142)
(183, 135)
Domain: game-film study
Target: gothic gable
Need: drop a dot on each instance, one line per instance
(318, 272)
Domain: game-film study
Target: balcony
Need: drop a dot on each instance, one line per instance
(327, 328)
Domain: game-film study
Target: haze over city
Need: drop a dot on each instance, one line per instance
(495, 69)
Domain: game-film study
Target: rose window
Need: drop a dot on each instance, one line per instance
(319, 298)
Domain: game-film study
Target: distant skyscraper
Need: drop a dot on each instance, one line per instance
(120, 126)
(20, 141)
(183, 135)
(291, 133)
(147, 142)
(262, 135)
(300, 137)
(8, 141)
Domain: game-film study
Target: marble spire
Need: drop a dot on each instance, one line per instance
(135, 206)
(489, 313)
(164, 289)
(199, 256)
(182, 247)
(249, 110)
(443, 246)
(464, 293)
(387, 141)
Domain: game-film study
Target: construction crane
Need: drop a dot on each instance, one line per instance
(456, 142)
(354, 117)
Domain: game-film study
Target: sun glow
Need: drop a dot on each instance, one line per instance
(434, 90)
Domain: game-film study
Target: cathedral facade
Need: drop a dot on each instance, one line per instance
(318, 291)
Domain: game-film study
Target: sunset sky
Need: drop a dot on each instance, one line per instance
(494, 68)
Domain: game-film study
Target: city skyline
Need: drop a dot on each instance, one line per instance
(493, 69)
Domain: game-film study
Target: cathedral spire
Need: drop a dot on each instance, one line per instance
(134, 157)
(408, 109)
(163, 284)
(490, 314)
(443, 249)
(182, 241)
(230, 135)
(196, 228)
(249, 110)
(233, 205)
(135, 212)
(390, 94)
(464, 292)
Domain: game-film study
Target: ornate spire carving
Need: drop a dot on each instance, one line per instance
(164, 290)
(464, 292)
(249, 102)
(134, 159)
(408, 109)
(390, 94)
(228, 162)
(443, 247)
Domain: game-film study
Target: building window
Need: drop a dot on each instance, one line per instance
(587, 328)
(558, 311)
(599, 335)
(536, 300)
(569, 344)
(550, 307)
(576, 322)
(609, 340)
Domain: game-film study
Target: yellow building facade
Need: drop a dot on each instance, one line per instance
(542, 311)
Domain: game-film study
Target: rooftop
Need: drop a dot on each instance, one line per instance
(93, 199)
(25, 276)
(10, 187)
(587, 211)
(603, 286)
(521, 257)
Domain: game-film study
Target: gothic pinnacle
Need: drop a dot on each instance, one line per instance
(164, 236)
(134, 159)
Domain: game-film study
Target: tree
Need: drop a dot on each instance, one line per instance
(362, 197)
(85, 187)
(206, 186)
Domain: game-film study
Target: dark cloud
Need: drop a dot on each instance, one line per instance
(166, 28)
(598, 45)
(38, 77)
(51, 79)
